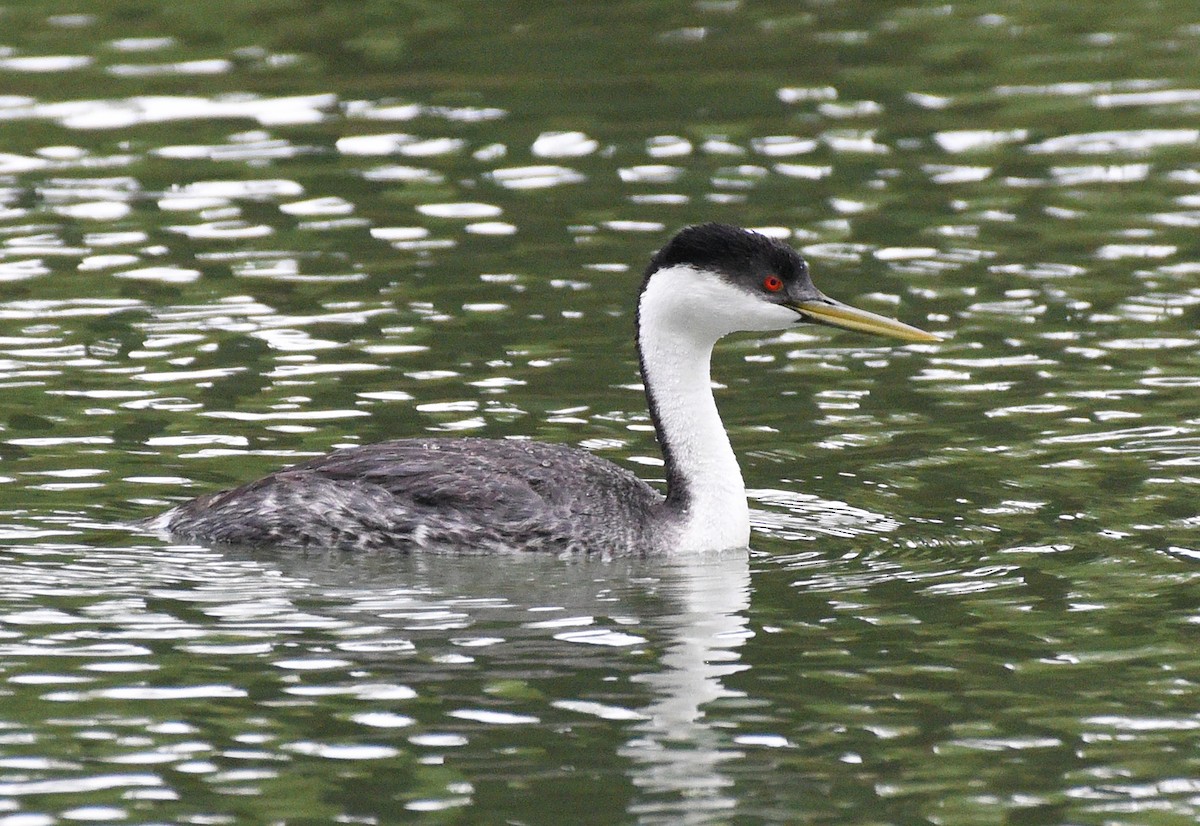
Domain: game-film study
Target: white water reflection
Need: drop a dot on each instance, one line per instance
(563, 145)
(125, 112)
(677, 752)
(536, 177)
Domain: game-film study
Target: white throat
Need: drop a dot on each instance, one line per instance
(682, 314)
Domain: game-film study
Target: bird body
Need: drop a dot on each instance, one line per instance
(429, 493)
(477, 495)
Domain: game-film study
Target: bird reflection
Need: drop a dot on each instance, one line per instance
(676, 751)
(582, 621)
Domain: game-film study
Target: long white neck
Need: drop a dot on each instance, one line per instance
(676, 332)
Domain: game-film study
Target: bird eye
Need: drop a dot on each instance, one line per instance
(773, 283)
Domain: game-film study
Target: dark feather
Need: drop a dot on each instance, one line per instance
(465, 493)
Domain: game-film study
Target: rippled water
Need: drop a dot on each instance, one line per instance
(235, 235)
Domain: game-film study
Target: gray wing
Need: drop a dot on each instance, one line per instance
(463, 493)
(437, 474)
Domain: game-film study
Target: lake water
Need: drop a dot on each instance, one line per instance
(234, 235)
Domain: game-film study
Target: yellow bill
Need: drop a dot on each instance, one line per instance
(836, 314)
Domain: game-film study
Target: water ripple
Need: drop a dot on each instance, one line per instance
(203, 284)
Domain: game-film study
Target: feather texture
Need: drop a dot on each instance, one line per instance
(431, 493)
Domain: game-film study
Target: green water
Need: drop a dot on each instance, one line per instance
(235, 234)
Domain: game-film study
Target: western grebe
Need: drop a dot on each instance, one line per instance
(483, 494)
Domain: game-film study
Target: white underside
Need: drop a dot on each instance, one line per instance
(684, 312)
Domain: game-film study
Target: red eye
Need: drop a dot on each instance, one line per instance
(773, 283)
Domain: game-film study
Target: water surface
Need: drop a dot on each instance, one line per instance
(235, 236)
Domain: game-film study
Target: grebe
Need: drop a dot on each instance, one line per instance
(472, 494)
